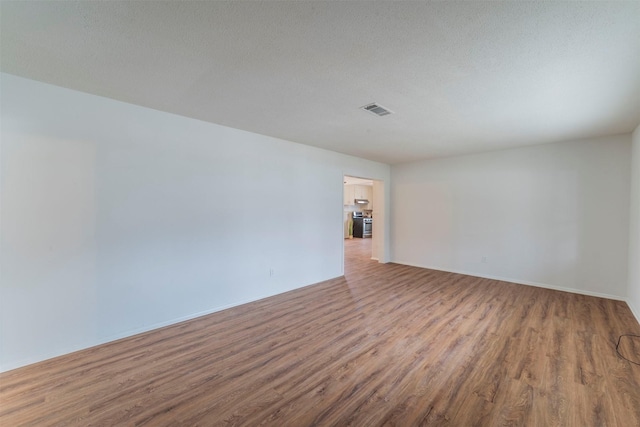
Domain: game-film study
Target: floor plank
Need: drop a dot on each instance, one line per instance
(385, 345)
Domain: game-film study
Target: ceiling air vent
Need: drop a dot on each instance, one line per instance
(376, 109)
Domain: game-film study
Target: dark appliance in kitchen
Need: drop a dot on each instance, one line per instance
(362, 227)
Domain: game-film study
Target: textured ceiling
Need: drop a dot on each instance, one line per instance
(460, 76)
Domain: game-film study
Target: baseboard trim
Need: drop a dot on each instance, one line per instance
(634, 310)
(109, 339)
(521, 282)
(137, 331)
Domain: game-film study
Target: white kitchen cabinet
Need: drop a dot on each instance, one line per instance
(360, 191)
(349, 194)
(369, 196)
(355, 191)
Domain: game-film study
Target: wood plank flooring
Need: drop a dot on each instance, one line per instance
(385, 345)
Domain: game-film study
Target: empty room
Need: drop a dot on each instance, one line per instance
(294, 213)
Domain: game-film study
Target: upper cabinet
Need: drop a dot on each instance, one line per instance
(354, 191)
(369, 197)
(349, 194)
(360, 191)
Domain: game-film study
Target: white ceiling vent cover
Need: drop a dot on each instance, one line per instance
(377, 109)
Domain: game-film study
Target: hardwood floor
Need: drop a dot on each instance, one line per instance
(386, 345)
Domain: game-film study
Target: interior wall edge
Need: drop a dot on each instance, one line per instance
(148, 328)
(522, 282)
(633, 276)
(117, 219)
(552, 213)
(634, 310)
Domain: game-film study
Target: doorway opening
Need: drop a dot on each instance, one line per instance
(363, 221)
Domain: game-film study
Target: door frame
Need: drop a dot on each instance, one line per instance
(380, 247)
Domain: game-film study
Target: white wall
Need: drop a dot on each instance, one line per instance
(633, 292)
(554, 215)
(378, 228)
(117, 219)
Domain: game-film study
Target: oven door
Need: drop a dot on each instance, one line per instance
(368, 228)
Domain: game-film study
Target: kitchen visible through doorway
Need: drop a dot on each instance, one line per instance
(363, 214)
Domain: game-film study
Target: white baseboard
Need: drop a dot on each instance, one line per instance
(634, 310)
(111, 338)
(147, 328)
(521, 282)
(132, 332)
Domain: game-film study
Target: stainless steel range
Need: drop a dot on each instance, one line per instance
(362, 227)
